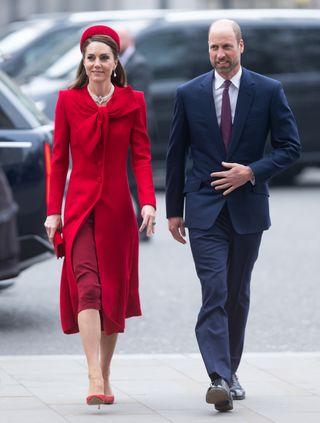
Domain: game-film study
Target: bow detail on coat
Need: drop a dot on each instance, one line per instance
(94, 126)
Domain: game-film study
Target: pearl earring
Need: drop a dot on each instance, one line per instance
(114, 74)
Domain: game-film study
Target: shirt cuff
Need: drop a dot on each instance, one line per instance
(252, 179)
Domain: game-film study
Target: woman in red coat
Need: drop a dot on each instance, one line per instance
(97, 120)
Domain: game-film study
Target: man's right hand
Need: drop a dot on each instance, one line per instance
(176, 227)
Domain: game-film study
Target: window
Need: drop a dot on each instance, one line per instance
(5, 122)
(277, 49)
(268, 49)
(168, 53)
(200, 51)
(307, 47)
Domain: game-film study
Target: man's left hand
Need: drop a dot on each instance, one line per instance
(234, 177)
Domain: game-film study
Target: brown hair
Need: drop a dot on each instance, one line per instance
(82, 79)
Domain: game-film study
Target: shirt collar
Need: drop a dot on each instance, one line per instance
(218, 80)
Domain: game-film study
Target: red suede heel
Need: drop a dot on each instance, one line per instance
(96, 399)
(109, 399)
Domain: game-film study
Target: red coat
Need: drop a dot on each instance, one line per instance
(99, 138)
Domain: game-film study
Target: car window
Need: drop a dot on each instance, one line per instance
(200, 52)
(167, 53)
(37, 116)
(67, 63)
(5, 121)
(267, 49)
(279, 49)
(16, 40)
(10, 28)
(307, 47)
(45, 51)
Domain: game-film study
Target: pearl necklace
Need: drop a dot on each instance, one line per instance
(98, 98)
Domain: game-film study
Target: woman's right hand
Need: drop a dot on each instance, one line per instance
(52, 223)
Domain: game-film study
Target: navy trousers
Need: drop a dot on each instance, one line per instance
(224, 261)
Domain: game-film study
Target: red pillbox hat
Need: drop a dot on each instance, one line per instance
(100, 30)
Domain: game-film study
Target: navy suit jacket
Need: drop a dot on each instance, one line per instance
(262, 109)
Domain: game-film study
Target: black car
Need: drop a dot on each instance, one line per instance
(9, 246)
(25, 150)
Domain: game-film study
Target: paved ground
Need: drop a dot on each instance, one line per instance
(281, 388)
(284, 315)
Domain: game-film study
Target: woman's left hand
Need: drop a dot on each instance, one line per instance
(148, 214)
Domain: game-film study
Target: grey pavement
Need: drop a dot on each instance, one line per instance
(285, 289)
(281, 388)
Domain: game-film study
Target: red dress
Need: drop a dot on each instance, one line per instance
(99, 138)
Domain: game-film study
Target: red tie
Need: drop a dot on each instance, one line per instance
(226, 118)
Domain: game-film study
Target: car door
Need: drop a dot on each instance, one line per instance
(24, 156)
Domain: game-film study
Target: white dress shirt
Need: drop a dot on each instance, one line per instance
(233, 93)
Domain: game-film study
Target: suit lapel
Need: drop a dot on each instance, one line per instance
(206, 87)
(245, 98)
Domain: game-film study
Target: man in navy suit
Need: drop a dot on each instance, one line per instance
(224, 127)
